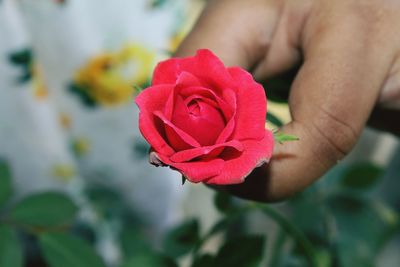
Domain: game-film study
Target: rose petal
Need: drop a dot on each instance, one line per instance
(228, 103)
(186, 79)
(251, 106)
(169, 104)
(237, 168)
(196, 171)
(178, 139)
(149, 100)
(230, 126)
(190, 154)
(226, 132)
(204, 65)
(154, 97)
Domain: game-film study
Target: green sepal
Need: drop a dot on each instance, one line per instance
(137, 88)
(282, 137)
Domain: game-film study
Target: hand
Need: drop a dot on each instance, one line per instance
(350, 54)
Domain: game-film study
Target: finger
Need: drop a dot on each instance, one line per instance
(284, 49)
(231, 29)
(243, 33)
(330, 102)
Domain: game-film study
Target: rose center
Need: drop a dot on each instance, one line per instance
(199, 118)
(194, 108)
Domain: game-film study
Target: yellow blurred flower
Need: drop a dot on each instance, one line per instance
(65, 120)
(81, 146)
(63, 172)
(40, 90)
(109, 78)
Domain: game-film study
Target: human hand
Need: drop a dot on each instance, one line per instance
(350, 54)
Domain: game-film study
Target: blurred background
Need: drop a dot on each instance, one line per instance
(75, 185)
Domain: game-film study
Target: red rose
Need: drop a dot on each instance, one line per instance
(205, 120)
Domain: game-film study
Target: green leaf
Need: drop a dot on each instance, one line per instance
(106, 201)
(5, 183)
(48, 209)
(133, 242)
(274, 120)
(323, 258)
(352, 253)
(84, 230)
(222, 224)
(282, 137)
(291, 229)
(137, 250)
(362, 176)
(277, 248)
(245, 251)
(205, 260)
(150, 259)
(223, 202)
(63, 250)
(182, 239)
(10, 248)
(305, 213)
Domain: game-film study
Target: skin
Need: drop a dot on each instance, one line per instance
(349, 51)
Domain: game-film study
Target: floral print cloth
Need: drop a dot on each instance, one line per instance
(69, 71)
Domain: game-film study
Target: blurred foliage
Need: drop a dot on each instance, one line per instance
(43, 210)
(10, 249)
(240, 251)
(5, 183)
(65, 250)
(181, 239)
(140, 148)
(337, 222)
(361, 176)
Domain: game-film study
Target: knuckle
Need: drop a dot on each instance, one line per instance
(335, 136)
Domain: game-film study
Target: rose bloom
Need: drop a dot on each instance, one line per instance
(205, 120)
